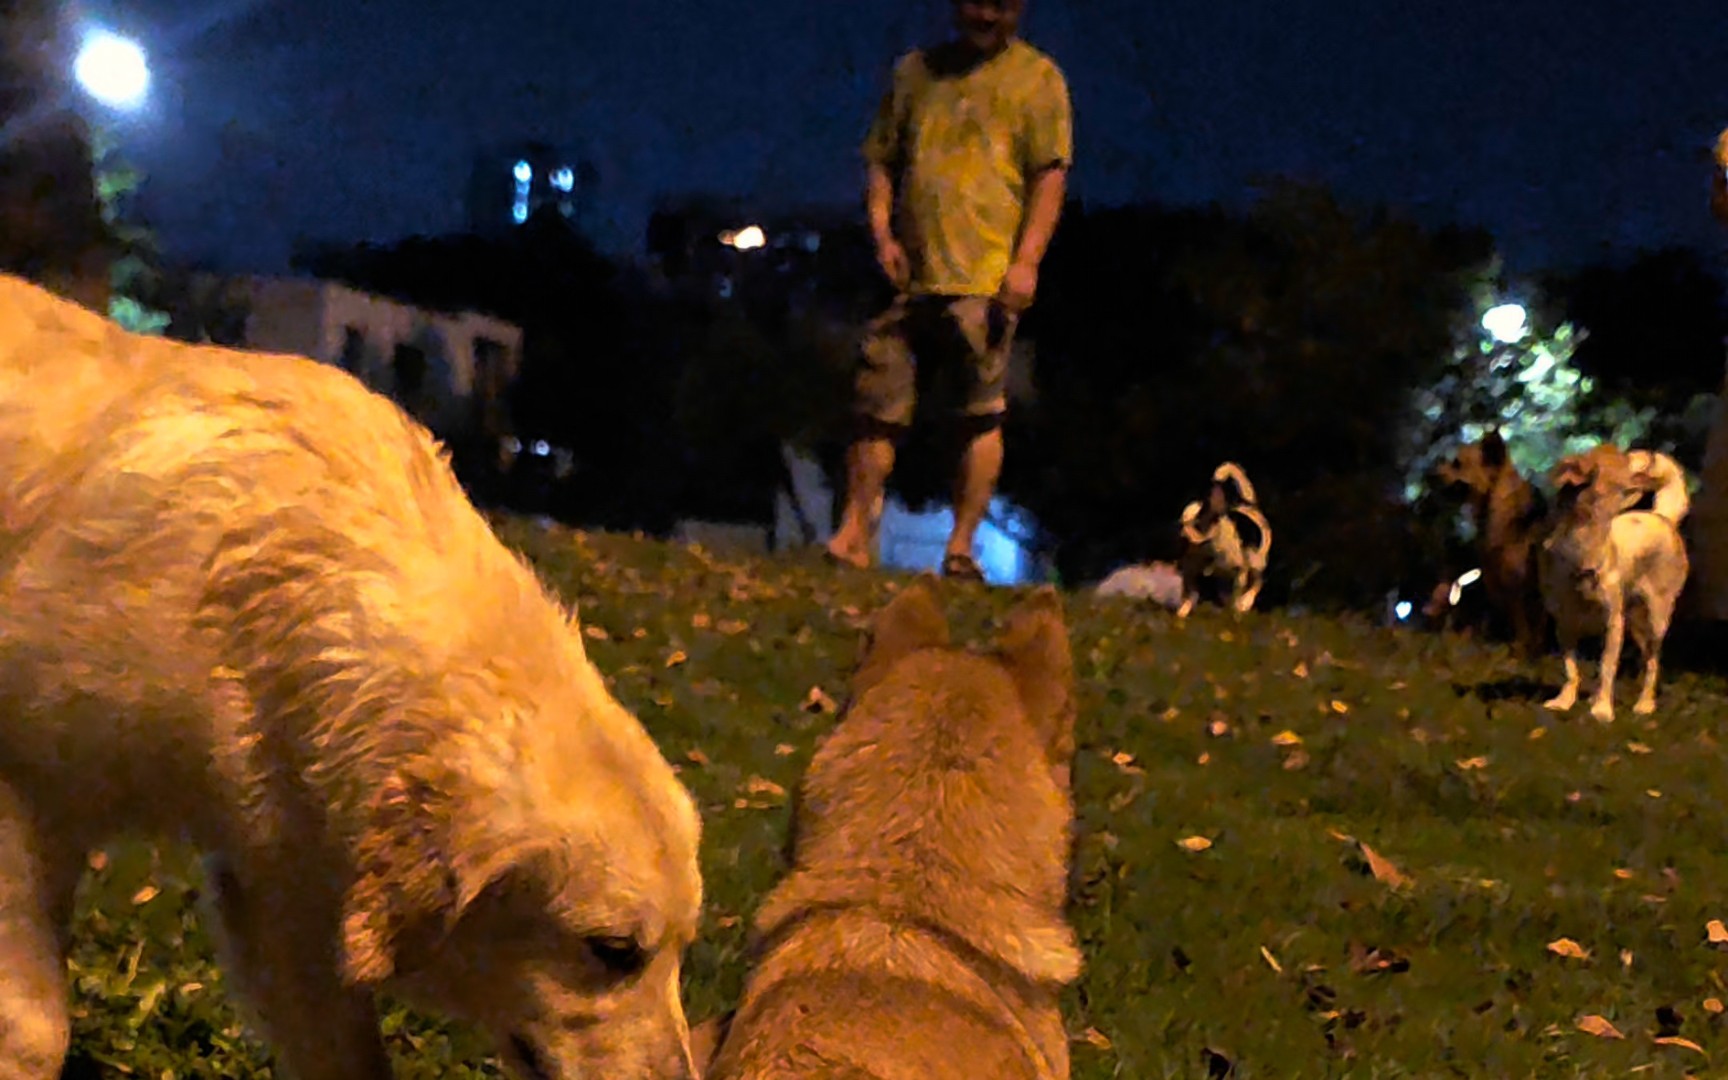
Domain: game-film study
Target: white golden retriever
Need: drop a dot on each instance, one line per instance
(244, 601)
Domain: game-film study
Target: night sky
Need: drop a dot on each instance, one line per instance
(1574, 130)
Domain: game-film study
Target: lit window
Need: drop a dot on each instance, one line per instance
(524, 172)
(564, 178)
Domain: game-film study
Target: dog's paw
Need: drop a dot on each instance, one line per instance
(1603, 711)
(1645, 706)
(1561, 703)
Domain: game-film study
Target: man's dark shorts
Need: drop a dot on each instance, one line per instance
(953, 347)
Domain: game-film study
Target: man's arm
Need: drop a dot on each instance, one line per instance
(1043, 209)
(879, 202)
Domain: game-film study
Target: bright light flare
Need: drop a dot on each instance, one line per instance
(1507, 323)
(112, 69)
(748, 238)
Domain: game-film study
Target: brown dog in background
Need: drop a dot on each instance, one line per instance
(1511, 520)
(920, 933)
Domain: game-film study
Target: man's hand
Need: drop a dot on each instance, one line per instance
(1019, 286)
(896, 265)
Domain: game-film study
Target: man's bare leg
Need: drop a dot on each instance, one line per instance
(975, 483)
(869, 460)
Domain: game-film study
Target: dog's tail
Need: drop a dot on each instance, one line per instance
(1251, 512)
(1233, 473)
(1666, 478)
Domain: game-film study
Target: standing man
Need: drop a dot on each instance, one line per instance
(967, 164)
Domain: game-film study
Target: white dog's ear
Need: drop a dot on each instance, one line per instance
(1034, 647)
(913, 620)
(415, 875)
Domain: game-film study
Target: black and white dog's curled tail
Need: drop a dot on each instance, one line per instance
(1232, 472)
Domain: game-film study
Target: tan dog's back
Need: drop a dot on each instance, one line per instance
(920, 934)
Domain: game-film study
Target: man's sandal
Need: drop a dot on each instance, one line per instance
(961, 567)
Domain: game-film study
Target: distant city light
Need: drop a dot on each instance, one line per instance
(524, 172)
(564, 178)
(112, 70)
(1507, 323)
(748, 238)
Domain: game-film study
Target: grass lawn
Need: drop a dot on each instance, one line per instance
(1307, 847)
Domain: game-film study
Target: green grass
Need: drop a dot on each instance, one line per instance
(1275, 947)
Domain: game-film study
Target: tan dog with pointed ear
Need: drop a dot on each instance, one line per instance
(243, 601)
(1606, 570)
(920, 933)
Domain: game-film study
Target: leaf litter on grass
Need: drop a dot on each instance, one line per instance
(1487, 840)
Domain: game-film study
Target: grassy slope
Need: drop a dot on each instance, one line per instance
(1275, 947)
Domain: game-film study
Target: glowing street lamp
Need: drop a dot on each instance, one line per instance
(1506, 323)
(112, 69)
(748, 238)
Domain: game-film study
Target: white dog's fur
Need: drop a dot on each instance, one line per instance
(244, 601)
(1611, 571)
(1215, 547)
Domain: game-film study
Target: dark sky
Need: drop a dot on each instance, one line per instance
(1570, 128)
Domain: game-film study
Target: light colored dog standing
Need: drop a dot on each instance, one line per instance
(244, 601)
(920, 934)
(1612, 571)
(1215, 546)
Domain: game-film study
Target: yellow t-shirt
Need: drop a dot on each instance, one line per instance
(963, 146)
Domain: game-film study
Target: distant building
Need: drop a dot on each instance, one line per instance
(450, 370)
(510, 184)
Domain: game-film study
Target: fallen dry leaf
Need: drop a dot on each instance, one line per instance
(818, 701)
(1623, 873)
(598, 633)
(1714, 1005)
(1675, 1040)
(1340, 707)
(1286, 738)
(1093, 1037)
(1298, 759)
(1271, 961)
(145, 895)
(1473, 763)
(1638, 748)
(1204, 759)
(1383, 870)
(756, 785)
(1193, 843)
(1598, 1026)
(731, 627)
(1568, 948)
(1218, 728)
(678, 657)
(1716, 932)
(785, 750)
(1626, 958)
(700, 620)
(1537, 733)
(1170, 714)
(1121, 759)
(1300, 670)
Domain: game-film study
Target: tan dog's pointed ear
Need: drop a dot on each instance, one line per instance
(1034, 647)
(913, 620)
(1576, 471)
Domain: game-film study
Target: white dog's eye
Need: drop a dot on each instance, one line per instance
(620, 955)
